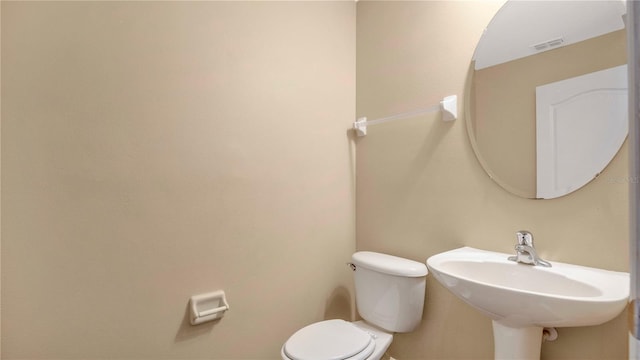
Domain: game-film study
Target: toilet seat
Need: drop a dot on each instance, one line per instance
(331, 340)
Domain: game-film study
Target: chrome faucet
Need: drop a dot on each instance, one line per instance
(525, 252)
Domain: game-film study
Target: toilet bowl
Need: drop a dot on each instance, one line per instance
(337, 339)
(389, 297)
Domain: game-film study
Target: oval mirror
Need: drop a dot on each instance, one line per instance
(547, 100)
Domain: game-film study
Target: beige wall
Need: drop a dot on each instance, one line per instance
(156, 150)
(151, 151)
(421, 190)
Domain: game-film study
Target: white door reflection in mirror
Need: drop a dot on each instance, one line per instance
(581, 123)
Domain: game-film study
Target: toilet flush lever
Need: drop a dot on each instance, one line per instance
(352, 266)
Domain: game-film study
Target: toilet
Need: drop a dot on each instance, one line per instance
(389, 294)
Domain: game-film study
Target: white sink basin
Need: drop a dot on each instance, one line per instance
(522, 296)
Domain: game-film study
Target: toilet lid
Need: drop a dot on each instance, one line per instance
(330, 340)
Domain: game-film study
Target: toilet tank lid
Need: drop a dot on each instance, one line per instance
(389, 264)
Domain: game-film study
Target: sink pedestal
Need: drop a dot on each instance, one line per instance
(516, 342)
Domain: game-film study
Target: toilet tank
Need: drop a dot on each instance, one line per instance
(389, 290)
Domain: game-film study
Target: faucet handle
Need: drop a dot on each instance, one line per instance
(524, 238)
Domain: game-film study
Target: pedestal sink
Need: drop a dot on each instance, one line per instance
(523, 299)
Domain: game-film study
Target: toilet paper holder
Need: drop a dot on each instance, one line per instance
(207, 307)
